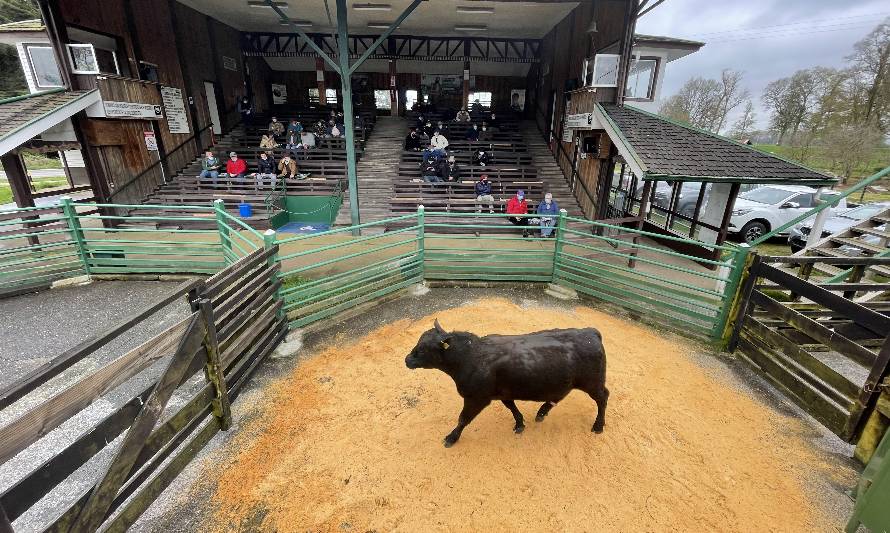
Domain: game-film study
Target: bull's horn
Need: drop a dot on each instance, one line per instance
(438, 326)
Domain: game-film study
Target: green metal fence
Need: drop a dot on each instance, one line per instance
(323, 274)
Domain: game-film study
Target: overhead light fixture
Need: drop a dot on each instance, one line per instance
(592, 27)
(263, 3)
(476, 10)
(303, 23)
(470, 27)
(380, 25)
(372, 7)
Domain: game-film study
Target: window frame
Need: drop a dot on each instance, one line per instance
(490, 94)
(653, 82)
(591, 71)
(71, 46)
(27, 48)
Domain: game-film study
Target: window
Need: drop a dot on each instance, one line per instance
(483, 97)
(43, 66)
(313, 95)
(330, 95)
(803, 200)
(410, 98)
(604, 72)
(88, 59)
(641, 78)
(765, 195)
(381, 99)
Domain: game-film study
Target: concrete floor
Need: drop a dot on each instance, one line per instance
(178, 509)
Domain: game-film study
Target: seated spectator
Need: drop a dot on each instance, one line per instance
(412, 141)
(321, 129)
(268, 142)
(246, 110)
(482, 158)
(431, 170)
(548, 211)
(518, 206)
(483, 194)
(276, 128)
(421, 122)
(236, 168)
(428, 129)
(462, 116)
(210, 167)
(293, 140)
(452, 170)
(472, 133)
(307, 140)
(440, 127)
(476, 107)
(295, 127)
(485, 133)
(439, 141)
(432, 153)
(265, 168)
(493, 122)
(287, 167)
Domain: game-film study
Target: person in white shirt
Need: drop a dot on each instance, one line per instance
(439, 141)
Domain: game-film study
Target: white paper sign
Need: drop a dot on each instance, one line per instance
(151, 142)
(174, 105)
(131, 110)
(279, 93)
(580, 121)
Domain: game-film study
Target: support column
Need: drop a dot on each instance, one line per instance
(393, 90)
(466, 98)
(18, 179)
(348, 116)
(319, 78)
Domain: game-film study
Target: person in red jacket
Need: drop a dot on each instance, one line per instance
(518, 206)
(235, 167)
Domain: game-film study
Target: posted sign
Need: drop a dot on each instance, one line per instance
(582, 121)
(131, 110)
(177, 119)
(151, 142)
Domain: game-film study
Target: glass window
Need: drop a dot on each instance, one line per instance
(83, 59)
(865, 211)
(330, 95)
(604, 72)
(803, 200)
(410, 98)
(483, 97)
(766, 195)
(641, 79)
(43, 66)
(381, 99)
(313, 95)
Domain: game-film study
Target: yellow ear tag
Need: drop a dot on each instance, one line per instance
(445, 345)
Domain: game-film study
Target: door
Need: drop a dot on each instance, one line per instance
(210, 94)
(795, 206)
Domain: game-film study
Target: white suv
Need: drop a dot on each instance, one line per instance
(760, 210)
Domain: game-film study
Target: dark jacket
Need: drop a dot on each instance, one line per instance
(265, 166)
(452, 172)
(431, 168)
(482, 158)
(471, 134)
(412, 142)
(483, 188)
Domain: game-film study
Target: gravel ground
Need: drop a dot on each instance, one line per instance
(177, 511)
(38, 327)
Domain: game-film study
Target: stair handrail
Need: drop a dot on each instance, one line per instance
(160, 161)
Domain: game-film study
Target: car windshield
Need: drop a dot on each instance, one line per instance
(865, 211)
(766, 195)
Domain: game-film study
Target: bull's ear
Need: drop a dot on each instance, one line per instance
(438, 327)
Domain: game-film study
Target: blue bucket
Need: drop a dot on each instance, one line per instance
(245, 210)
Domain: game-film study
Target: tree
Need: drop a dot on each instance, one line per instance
(871, 64)
(705, 103)
(850, 146)
(12, 82)
(16, 10)
(744, 126)
(789, 101)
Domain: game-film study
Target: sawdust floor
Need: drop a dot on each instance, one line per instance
(352, 440)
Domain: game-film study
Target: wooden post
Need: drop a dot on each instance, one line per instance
(644, 210)
(213, 370)
(393, 90)
(21, 187)
(269, 244)
(727, 214)
(5, 524)
(466, 96)
(319, 78)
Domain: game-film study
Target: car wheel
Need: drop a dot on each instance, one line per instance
(753, 230)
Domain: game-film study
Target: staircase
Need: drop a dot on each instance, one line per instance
(548, 171)
(374, 172)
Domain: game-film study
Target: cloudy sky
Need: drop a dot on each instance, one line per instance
(767, 39)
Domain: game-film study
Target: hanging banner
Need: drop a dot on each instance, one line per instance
(174, 105)
(442, 84)
(279, 93)
(517, 99)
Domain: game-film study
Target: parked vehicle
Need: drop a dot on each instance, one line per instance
(758, 211)
(689, 191)
(797, 237)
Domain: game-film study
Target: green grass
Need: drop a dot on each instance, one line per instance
(39, 184)
(35, 161)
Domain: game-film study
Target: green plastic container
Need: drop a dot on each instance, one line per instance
(872, 508)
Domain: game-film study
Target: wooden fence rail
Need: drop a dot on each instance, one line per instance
(235, 321)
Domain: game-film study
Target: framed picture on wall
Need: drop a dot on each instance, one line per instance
(83, 59)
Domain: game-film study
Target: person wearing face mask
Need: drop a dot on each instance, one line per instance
(265, 168)
(412, 141)
(548, 211)
(462, 116)
(482, 158)
(452, 170)
(483, 194)
(472, 133)
(287, 167)
(428, 129)
(518, 206)
(439, 141)
(235, 167)
(246, 110)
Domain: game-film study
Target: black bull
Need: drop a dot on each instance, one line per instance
(541, 367)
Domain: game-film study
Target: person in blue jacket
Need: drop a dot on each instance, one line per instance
(548, 211)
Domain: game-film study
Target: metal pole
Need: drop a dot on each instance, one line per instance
(421, 235)
(557, 248)
(348, 118)
(219, 209)
(268, 244)
(76, 231)
(819, 223)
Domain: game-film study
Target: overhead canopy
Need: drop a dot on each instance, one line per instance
(660, 149)
(24, 117)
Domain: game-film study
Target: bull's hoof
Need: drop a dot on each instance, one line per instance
(518, 429)
(540, 418)
(449, 442)
(597, 429)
